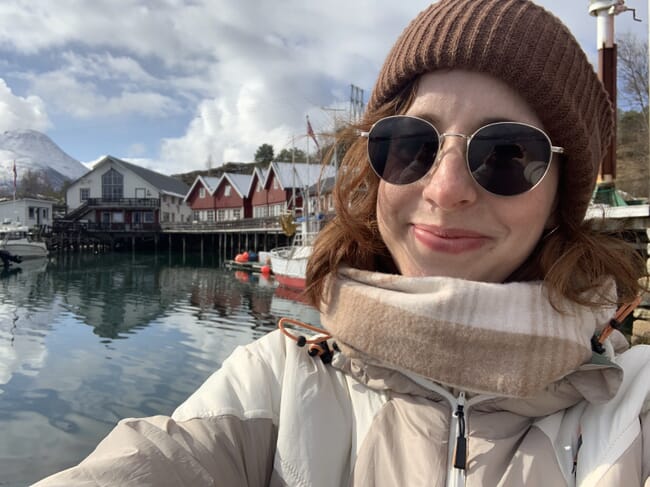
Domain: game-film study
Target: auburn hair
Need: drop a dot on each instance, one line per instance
(573, 260)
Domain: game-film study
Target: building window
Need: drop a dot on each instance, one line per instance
(210, 215)
(112, 185)
(31, 212)
(118, 217)
(226, 190)
(165, 216)
(147, 216)
(275, 183)
(195, 215)
(44, 213)
(202, 193)
(221, 215)
(236, 214)
(173, 217)
(84, 194)
(259, 186)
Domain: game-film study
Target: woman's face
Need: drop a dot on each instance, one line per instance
(445, 224)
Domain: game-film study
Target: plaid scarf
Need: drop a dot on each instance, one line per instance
(503, 339)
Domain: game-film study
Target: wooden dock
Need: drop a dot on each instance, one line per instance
(254, 267)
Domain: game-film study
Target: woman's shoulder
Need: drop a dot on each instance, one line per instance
(611, 430)
(251, 380)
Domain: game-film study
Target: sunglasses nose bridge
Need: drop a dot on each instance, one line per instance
(440, 153)
(444, 135)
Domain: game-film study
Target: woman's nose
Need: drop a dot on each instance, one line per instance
(449, 185)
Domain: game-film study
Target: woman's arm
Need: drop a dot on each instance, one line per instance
(158, 451)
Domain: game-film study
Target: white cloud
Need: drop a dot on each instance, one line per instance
(83, 99)
(137, 149)
(105, 66)
(21, 112)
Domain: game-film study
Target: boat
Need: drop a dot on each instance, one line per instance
(17, 240)
(289, 263)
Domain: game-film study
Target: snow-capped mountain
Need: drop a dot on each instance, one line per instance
(35, 151)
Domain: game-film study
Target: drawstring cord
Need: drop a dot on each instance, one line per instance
(316, 346)
(614, 324)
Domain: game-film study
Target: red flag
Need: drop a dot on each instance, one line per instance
(310, 132)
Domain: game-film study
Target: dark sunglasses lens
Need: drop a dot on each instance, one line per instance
(402, 149)
(509, 158)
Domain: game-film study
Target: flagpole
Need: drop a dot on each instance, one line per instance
(306, 205)
(15, 181)
(15, 186)
(293, 173)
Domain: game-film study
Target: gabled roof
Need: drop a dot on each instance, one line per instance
(299, 175)
(208, 182)
(261, 174)
(241, 183)
(165, 184)
(211, 183)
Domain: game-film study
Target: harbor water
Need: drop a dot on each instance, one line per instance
(86, 340)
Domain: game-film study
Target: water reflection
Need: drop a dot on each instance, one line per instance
(86, 340)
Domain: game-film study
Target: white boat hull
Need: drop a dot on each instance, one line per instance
(25, 249)
(289, 265)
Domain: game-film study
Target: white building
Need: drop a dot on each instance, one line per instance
(28, 211)
(118, 192)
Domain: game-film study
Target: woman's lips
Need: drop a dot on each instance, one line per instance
(449, 240)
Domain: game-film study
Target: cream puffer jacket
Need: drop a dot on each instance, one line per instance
(273, 415)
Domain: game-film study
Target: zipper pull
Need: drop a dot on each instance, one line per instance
(460, 453)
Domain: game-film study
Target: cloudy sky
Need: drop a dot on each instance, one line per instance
(177, 83)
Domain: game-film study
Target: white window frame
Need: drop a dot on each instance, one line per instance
(201, 192)
(227, 190)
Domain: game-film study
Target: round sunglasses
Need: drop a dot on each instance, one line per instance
(504, 158)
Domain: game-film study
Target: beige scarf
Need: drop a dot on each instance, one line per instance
(503, 339)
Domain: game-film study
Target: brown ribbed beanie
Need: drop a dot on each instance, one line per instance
(529, 49)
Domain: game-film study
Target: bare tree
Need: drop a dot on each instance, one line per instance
(632, 60)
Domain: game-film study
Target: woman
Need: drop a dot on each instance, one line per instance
(461, 293)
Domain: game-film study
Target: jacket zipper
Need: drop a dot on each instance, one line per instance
(460, 452)
(457, 442)
(458, 434)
